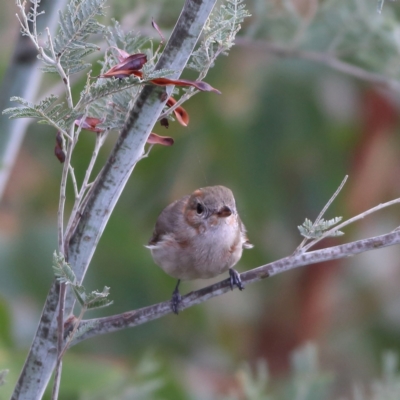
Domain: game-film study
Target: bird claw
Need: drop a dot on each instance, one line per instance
(176, 299)
(234, 279)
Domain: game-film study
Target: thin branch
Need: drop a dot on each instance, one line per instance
(70, 337)
(62, 199)
(350, 221)
(322, 58)
(26, 31)
(73, 178)
(185, 97)
(134, 318)
(53, 53)
(60, 342)
(80, 195)
(321, 214)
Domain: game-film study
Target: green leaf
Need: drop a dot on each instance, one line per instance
(80, 294)
(97, 299)
(62, 270)
(315, 231)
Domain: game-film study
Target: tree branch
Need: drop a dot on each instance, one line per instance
(134, 318)
(104, 193)
(322, 58)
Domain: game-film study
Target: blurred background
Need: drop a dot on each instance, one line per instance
(282, 136)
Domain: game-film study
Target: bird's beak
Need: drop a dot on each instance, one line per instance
(224, 212)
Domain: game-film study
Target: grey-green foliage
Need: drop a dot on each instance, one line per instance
(306, 381)
(386, 388)
(3, 374)
(76, 23)
(360, 35)
(255, 385)
(48, 111)
(64, 274)
(132, 42)
(348, 29)
(142, 384)
(219, 34)
(109, 99)
(315, 231)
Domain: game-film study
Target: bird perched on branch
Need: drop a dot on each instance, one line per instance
(199, 236)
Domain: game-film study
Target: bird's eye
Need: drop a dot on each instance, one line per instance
(199, 208)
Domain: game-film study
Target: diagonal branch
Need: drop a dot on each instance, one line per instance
(104, 194)
(322, 58)
(130, 319)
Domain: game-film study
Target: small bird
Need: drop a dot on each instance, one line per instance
(199, 236)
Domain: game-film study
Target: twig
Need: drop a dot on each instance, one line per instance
(73, 178)
(77, 322)
(321, 214)
(185, 97)
(53, 53)
(63, 188)
(350, 221)
(60, 341)
(26, 31)
(322, 58)
(80, 195)
(134, 318)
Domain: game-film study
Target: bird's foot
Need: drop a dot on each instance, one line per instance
(235, 279)
(176, 299)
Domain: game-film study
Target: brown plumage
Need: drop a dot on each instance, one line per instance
(199, 236)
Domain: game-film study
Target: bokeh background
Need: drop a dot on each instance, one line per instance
(282, 136)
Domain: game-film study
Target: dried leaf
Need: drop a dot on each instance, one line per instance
(58, 150)
(200, 85)
(180, 113)
(155, 26)
(162, 140)
(129, 65)
(89, 123)
(132, 64)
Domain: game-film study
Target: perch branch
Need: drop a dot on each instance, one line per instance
(133, 318)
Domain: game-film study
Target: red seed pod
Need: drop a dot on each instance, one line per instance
(162, 140)
(58, 150)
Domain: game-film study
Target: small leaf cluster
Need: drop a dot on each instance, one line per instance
(64, 274)
(77, 22)
(219, 34)
(48, 111)
(144, 383)
(110, 99)
(315, 230)
(307, 381)
(3, 374)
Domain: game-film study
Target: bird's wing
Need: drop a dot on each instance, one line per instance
(169, 221)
